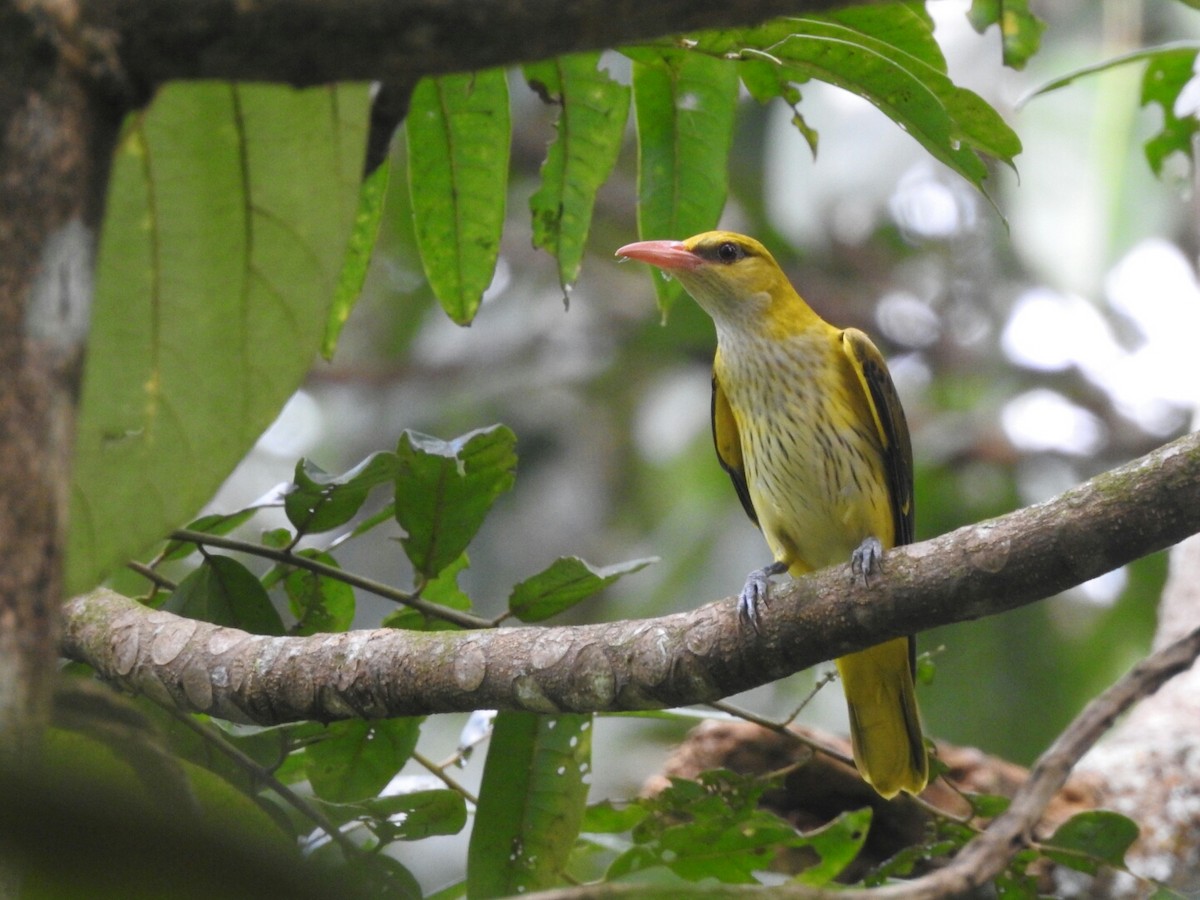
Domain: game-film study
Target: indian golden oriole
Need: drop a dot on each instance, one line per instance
(808, 425)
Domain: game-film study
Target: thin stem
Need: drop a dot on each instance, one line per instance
(439, 773)
(286, 557)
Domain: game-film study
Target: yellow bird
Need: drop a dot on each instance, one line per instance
(808, 425)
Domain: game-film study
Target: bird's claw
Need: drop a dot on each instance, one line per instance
(867, 559)
(756, 592)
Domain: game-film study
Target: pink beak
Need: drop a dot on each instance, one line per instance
(664, 254)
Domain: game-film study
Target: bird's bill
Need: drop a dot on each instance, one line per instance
(664, 254)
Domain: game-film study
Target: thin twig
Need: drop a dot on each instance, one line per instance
(439, 773)
(987, 855)
(287, 558)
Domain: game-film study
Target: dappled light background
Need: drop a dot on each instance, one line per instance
(1029, 357)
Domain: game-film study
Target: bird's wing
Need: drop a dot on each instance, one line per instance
(729, 445)
(890, 424)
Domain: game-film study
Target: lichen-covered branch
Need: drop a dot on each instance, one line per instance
(680, 659)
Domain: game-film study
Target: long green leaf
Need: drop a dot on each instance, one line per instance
(228, 216)
(358, 254)
(590, 126)
(458, 134)
(531, 803)
(685, 104)
(955, 125)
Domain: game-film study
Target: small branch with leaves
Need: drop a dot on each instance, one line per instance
(675, 660)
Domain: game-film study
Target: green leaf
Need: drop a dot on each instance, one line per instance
(358, 254)
(837, 844)
(564, 583)
(1020, 30)
(417, 815)
(227, 218)
(444, 490)
(685, 104)
(1165, 77)
(1094, 837)
(458, 134)
(358, 758)
(217, 523)
(987, 806)
(225, 592)
(708, 828)
(605, 818)
(590, 127)
(320, 604)
(531, 803)
(442, 590)
(320, 502)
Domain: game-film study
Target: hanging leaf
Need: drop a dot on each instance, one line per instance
(228, 214)
(458, 135)
(444, 490)
(358, 254)
(591, 124)
(685, 104)
(531, 803)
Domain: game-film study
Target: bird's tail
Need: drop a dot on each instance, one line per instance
(885, 727)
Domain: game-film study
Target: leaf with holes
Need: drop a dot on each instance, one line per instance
(531, 803)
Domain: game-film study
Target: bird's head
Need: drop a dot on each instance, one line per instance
(734, 278)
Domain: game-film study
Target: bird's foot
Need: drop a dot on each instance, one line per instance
(756, 592)
(867, 559)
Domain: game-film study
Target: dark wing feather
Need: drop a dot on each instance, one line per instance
(891, 425)
(729, 446)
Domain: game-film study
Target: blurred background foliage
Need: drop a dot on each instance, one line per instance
(1030, 355)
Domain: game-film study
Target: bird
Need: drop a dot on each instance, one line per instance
(808, 425)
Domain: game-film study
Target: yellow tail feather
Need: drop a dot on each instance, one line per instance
(885, 727)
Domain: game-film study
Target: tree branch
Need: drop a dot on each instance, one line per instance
(675, 660)
(136, 46)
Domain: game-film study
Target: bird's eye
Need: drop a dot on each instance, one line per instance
(729, 252)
